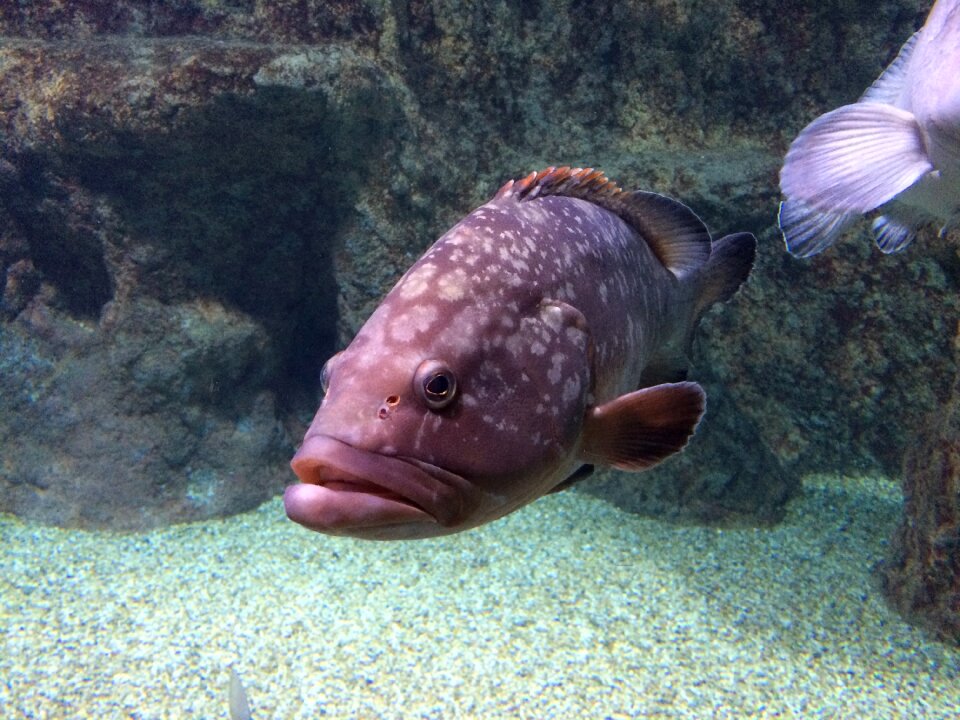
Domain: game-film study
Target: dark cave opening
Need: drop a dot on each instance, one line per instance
(241, 201)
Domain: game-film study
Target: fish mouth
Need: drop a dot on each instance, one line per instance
(346, 490)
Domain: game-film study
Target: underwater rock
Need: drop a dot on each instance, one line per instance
(170, 217)
(160, 415)
(921, 576)
(281, 21)
(839, 360)
(286, 160)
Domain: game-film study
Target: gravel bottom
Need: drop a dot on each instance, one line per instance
(570, 608)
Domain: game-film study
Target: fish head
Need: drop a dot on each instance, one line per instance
(443, 414)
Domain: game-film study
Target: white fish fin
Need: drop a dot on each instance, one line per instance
(239, 705)
(892, 236)
(807, 232)
(887, 87)
(637, 430)
(855, 158)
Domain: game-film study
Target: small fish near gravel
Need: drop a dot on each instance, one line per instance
(544, 334)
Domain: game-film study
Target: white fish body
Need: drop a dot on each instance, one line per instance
(895, 151)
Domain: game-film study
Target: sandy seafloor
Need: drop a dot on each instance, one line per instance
(570, 608)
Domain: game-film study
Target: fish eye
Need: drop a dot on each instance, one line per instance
(326, 372)
(435, 384)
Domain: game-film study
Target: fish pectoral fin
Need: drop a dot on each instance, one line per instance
(855, 158)
(637, 430)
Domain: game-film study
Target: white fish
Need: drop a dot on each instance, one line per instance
(239, 705)
(896, 150)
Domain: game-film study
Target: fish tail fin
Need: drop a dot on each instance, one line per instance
(725, 270)
(730, 262)
(807, 231)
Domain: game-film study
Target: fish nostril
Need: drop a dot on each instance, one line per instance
(391, 402)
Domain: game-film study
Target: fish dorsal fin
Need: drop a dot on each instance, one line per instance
(887, 87)
(675, 234)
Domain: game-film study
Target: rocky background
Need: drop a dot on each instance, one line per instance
(200, 200)
(921, 575)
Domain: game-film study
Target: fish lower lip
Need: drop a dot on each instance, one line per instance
(346, 490)
(355, 513)
(358, 486)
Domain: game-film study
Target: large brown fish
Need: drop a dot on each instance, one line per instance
(506, 362)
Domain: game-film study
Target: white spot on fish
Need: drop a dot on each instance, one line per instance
(418, 281)
(571, 389)
(452, 285)
(575, 336)
(418, 319)
(555, 372)
(519, 264)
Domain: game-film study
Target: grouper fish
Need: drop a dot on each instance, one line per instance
(895, 151)
(544, 334)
